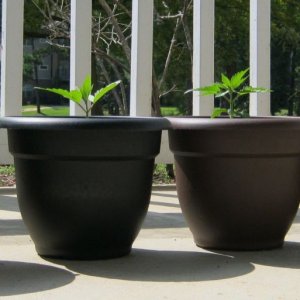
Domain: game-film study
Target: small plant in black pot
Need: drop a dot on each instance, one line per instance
(83, 184)
(237, 178)
(83, 96)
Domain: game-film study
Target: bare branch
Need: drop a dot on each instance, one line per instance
(102, 53)
(108, 80)
(122, 87)
(123, 7)
(187, 33)
(179, 15)
(172, 89)
(168, 60)
(117, 28)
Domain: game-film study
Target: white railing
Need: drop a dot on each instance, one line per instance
(141, 57)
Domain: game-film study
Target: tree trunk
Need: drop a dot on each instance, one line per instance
(291, 83)
(155, 96)
(97, 109)
(170, 170)
(36, 81)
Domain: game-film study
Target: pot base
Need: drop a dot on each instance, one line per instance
(89, 254)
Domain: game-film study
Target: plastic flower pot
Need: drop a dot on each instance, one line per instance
(83, 184)
(237, 179)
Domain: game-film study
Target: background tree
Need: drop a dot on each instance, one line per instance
(111, 45)
(173, 47)
(286, 56)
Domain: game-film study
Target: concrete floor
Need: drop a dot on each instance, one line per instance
(164, 264)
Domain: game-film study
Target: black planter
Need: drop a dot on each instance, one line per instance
(83, 184)
(238, 180)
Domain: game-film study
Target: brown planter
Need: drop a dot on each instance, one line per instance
(238, 180)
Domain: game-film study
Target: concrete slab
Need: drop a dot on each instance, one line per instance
(164, 264)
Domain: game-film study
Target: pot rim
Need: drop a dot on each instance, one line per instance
(83, 123)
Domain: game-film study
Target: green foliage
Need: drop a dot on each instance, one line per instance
(178, 77)
(231, 89)
(33, 19)
(160, 175)
(28, 64)
(82, 96)
(231, 45)
(7, 170)
(7, 175)
(231, 36)
(285, 50)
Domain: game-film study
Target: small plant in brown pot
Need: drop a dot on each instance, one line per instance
(237, 178)
(232, 90)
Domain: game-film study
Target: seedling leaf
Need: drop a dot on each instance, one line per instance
(83, 93)
(209, 90)
(249, 89)
(226, 81)
(86, 88)
(74, 95)
(218, 111)
(102, 92)
(239, 78)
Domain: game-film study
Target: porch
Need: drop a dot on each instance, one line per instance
(141, 57)
(164, 264)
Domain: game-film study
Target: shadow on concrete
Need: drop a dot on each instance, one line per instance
(160, 203)
(297, 218)
(9, 203)
(164, 220)
(165, 195)
(168, 187)
(163, 266)
(286, 257)
(18, 278)
(12, 227)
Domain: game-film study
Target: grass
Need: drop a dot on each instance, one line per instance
(170, 111)
(31, 110)
(7, 175)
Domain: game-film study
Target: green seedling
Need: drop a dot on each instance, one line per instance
(83, 96)
(231, 89)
